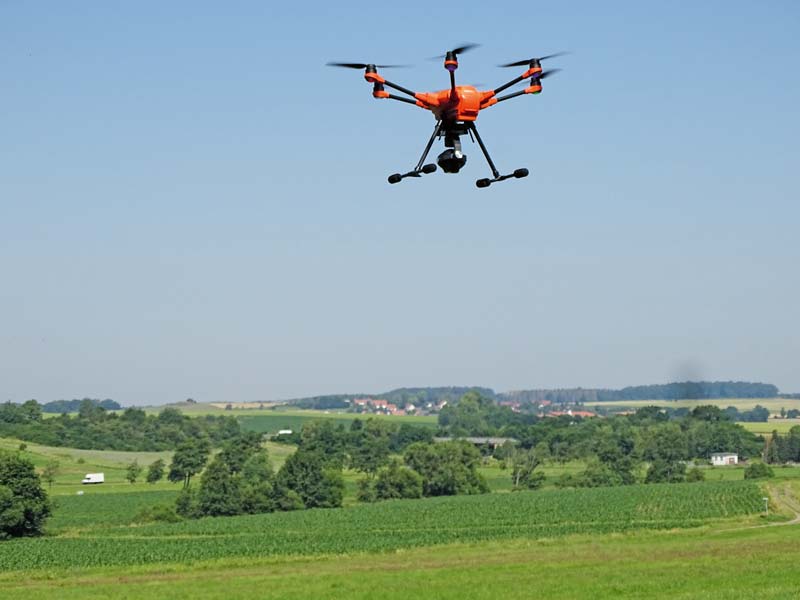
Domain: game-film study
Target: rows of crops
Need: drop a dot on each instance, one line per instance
(97, 510)
(391, 525)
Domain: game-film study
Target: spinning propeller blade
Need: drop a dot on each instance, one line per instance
(527, 61)
(456, 51)
(545, 74)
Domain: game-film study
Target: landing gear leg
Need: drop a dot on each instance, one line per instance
(482, 183)
(420, 168)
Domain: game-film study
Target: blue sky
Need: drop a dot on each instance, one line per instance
(193, 205)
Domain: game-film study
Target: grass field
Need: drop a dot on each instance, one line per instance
(782, 426)
(684, 541)
(74, 464)
(601, 543)
(380, 527)
(706, 564)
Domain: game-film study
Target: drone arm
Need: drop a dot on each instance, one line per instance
(532, 72)
(377, 80)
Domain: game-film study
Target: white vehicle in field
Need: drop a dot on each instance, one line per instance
(94, 478)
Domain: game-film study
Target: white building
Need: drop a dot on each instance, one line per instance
(722, 459)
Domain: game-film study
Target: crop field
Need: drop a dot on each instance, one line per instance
(390, 526)
(757, 563)
(782, 426)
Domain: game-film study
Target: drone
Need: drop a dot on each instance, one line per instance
(455, 110)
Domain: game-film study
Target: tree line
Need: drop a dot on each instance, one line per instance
(74, 405)
(686, 390)
(95, 428)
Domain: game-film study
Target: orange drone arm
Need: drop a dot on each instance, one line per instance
(378, 82)
(534, 73)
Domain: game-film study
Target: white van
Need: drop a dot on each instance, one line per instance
(94, 478)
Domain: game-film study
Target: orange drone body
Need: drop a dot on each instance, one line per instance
(455, 109)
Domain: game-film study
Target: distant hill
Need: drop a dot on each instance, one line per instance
(418, 396)
(686, 390)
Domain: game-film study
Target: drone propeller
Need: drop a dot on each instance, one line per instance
(545, 74)
(363, 65)
(456, 51)
(527, 61)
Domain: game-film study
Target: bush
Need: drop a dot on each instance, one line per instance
(694, 475)
(162, 513)
(758, 470)
(397, 481)
(24, 505)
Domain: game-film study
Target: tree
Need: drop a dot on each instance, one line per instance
(694, 475)
(772, 449)
(189, 459)
(50, 471)
(523, 470)
(447, 468)
(24, 505)
(239, 449)
(258, 484)
(758, 470)
(220, 492)
(397, 481)
(666, 471)
(317, 487)
(133, 471)
(155, 472)
(369, 446)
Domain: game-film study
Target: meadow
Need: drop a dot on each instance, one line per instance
(757, 563)
(782, 426)
(381, 527)
(614, 541)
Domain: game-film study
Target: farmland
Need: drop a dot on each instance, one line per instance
(387, 526)
(780, 425)
(695, 563)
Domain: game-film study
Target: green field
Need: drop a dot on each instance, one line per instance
(380, 527)
(689, 564)
(271, 421)
(780, 425)
(704, 540)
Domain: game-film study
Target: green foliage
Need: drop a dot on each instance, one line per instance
(523, 470)
(783, 449)
(370, 446)
(666, 471)
(50, 471)
(237, 450)
(160, 513)
(133, 471)
(316, 485)
(220, 491)
(447, 468)
(695, 475)
(386, 526)
(758, 470)
(396, 481)
(24, 505)
(96, 428)
(155, 472)
(189, 459)
(186, 504)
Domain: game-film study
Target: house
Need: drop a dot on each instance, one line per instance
(722, 459)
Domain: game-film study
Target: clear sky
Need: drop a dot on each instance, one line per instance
(193, 205)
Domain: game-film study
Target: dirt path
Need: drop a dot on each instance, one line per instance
(786, 500)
